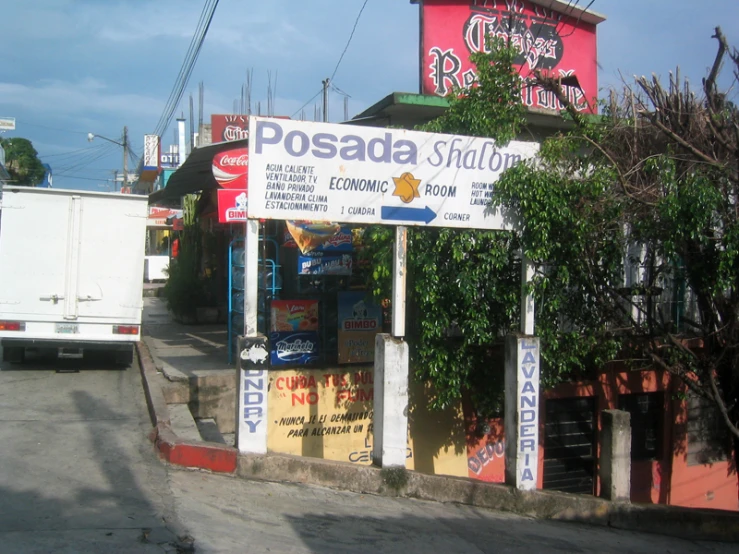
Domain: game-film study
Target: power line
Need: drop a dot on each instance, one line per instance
(188, 64)
(308, 102)
(348, 42)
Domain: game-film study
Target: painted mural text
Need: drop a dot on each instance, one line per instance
(485, 455)
(254, 398)
(528, 410)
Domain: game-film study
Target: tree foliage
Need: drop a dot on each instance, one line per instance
(631, 220)
(22, 162)
(463, 285)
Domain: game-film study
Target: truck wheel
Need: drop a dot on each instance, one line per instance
(124, 357)
(14, 354)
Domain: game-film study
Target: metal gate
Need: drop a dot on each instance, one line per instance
(569, 445)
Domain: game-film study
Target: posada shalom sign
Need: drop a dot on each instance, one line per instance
(327, 172)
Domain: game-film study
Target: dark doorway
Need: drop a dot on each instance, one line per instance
(569, 445)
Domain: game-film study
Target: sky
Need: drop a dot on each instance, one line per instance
(73, 67)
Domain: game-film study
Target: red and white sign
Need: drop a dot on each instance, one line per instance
(231, 205)
(561, 44)
(158, 216)
(230, 168)
(224, 127)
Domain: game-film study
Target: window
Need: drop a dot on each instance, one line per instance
(647, 420)
(708, 437)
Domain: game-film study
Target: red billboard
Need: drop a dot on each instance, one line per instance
(562, 44)
(230, 168)
(225, 127)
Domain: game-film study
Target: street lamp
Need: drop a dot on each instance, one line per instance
(124, 144)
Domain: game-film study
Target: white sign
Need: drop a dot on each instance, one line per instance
(346, 173)
(170, 159)
(7, 124)
(151, 151)
(522, 412)
(253, 411)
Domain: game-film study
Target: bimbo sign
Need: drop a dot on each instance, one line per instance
(559, 43)
(232, 205)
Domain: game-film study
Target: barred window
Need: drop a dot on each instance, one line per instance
(708, 436)
(647, 423)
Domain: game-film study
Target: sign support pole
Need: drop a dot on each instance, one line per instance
(251, 417)
(527, 298)
(399, 280)
(391, 371)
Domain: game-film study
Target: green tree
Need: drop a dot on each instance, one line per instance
(22, 162)
(631, 221)
(463, 285)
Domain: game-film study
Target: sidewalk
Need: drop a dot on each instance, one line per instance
(185, 368)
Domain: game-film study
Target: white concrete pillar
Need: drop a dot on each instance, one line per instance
(390, 422)
(615, 456)
(522, 411)
(251, 414)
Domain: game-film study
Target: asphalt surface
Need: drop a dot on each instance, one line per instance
(78, 475)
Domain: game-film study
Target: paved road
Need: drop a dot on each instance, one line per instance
(78, 475)
(231, 515)
(76, 471)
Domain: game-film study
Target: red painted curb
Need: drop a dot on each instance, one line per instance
(213, 457)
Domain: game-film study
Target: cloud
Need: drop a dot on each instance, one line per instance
(88, 96)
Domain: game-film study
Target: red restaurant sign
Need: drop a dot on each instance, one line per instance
(224, 128)
(561, 44)
(231, 205)
(230, 168)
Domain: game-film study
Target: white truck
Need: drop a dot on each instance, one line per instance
(71, 271)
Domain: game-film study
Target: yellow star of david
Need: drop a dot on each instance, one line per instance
(406, 187)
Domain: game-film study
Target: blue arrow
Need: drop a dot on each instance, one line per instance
(427, 215)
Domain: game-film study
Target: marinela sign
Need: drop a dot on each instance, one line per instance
(561, 43)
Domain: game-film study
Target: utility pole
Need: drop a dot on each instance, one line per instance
(124, 185)
(325, 100)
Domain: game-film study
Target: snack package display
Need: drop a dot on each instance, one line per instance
(343, 241)
(360, 320)
(324, 263)
(291, 348)
(294, 315)
(310, 235)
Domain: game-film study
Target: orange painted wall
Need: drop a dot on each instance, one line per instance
(668, 480)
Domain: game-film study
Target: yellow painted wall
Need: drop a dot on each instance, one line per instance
(328, 414)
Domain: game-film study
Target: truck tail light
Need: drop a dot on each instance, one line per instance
(125, 329)
(12, 325)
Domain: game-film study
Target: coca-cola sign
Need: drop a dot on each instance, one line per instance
(230, 168)
(226, 128)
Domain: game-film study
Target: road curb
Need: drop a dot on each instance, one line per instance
(689, 523)
(201, 455)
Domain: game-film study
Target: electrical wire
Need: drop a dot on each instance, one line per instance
(348, 42)
(308, 102)
(188, 64)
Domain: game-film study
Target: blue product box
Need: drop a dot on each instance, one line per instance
(322, 263)
(293, 348)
